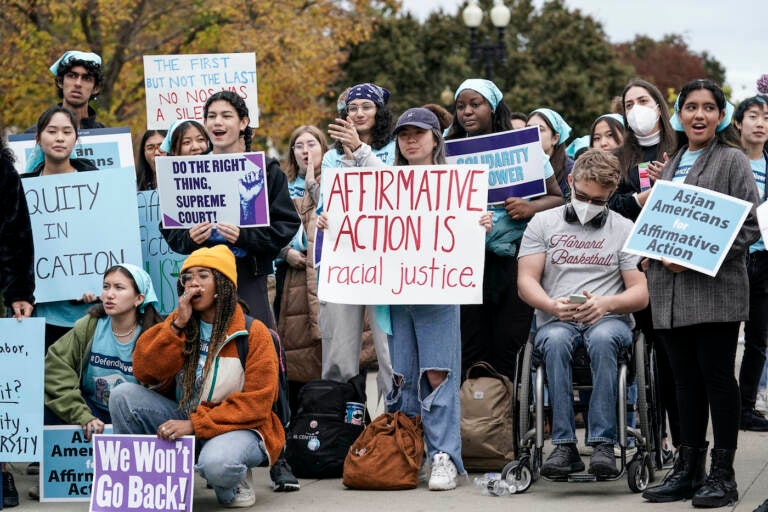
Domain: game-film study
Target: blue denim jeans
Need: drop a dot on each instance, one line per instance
(556, 342)
(223, 460)
(427, 337)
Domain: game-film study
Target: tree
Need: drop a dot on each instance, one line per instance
(669, 63)
(297, 43)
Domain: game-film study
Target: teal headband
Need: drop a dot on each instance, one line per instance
(678, 126)
(143, 283)
(562, 128)
(75, 55)
(577, 145)
(486, 88)
(166, 144)
(616, 117)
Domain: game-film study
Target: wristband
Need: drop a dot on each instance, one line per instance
(173, 324)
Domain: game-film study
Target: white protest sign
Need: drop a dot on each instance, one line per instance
(229, 188)
(404, 235)
(178, 86)
(82, 224)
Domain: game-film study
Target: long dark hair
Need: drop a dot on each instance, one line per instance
(226, 303)
(558, 160)
(630, 153)
(147, 319)
(729, 136)
(500, 122)
(145, 178)
(181, 130)
(240, 107)
(45, 119)
(381, 133)
(617, 130)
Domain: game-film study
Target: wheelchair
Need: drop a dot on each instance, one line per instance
(638, 360)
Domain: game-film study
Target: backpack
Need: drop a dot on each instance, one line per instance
(330, 417)
(281, 407)
(487, 422)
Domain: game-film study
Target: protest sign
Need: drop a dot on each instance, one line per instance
(178, 86)
(228, 188)
(515, 162)
(82, 224)
(66, 473)
(161, 263)
(688, 225)
(404, 235)
(142, 473)
(21, 389)
(762, 220)
(106, 148)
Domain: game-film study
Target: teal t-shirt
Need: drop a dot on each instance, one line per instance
(686, 162)
(61, 313)
(110, 363)
(206, 330)
(759, 170)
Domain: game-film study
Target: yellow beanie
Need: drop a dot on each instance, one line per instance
(218, 257)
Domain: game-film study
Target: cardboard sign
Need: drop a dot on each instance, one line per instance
(228, 188)
(161, 263)
(133, 473)
(21, 389)
(178, 86)
(515, 162)
(66, 473)
(403, 235)
(691, 226)
(82, 224)
(106, 148)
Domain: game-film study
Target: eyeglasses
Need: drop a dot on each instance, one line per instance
(597, 201)
(152, 148)
(85, 77)
(365, 107)
(309, 145)
(188, 276)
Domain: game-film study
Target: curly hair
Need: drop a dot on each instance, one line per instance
(381, 133)
(226, 304)
(240, 107)
(93, 70)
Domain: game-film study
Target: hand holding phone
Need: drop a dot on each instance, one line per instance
(577, 299)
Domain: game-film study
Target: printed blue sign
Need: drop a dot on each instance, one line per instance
(66, 473)
(82, 224)
(515, 162)
(161, 263)
(21, 389)
(691, 226)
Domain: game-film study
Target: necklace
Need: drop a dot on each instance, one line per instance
(118, 335)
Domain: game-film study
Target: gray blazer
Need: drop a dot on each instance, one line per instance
(690, 297)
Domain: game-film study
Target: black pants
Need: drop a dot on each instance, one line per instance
(755, 330)
(496, 329)
(252, 288)
(703, 357)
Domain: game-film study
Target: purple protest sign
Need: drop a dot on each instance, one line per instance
(229, 188)
(142, 473)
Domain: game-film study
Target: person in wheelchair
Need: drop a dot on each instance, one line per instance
(584, 289)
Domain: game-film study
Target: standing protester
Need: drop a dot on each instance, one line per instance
(554, 132)
(149, 148)
(495, 330)
(363, 130)
(193, 357)
(78, 81)
(17, 278)
(697, 316)
(186, 137)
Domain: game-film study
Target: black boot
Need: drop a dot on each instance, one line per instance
(719, 488)
(686, 477)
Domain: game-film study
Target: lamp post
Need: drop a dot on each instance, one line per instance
(473, 17)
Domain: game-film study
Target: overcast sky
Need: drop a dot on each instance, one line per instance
(735, 32)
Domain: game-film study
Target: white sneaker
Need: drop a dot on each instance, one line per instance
(244, 495)
(761, 404)
(631, 451)
(443, 477)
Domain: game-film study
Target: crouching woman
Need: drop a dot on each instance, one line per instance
(199, 385)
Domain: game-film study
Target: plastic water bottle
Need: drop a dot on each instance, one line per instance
(491, 484)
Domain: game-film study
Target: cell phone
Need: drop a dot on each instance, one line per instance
(577, 299)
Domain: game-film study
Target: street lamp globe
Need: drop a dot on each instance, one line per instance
(500, 14)
(472, 14)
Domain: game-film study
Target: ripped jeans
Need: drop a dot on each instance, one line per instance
(427, 337)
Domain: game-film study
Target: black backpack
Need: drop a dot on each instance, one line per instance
(320, 436)
(281, 407)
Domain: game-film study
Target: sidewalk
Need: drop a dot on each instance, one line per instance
(330, 495)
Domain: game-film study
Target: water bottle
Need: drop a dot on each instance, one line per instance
(491, 484)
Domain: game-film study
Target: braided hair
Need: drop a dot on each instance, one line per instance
(226, 303)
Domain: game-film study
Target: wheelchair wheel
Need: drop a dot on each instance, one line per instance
(525, 393)
(639, 474)
(518, 476)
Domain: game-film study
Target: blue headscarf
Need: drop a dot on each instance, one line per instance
(678, 126)
(562, 128)
(486, 88)
(373, 92)
(143, 283)
(75, 55)
(166, 144)
(577, 145)
(617, 117)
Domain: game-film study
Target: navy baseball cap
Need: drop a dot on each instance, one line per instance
(419, 117)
